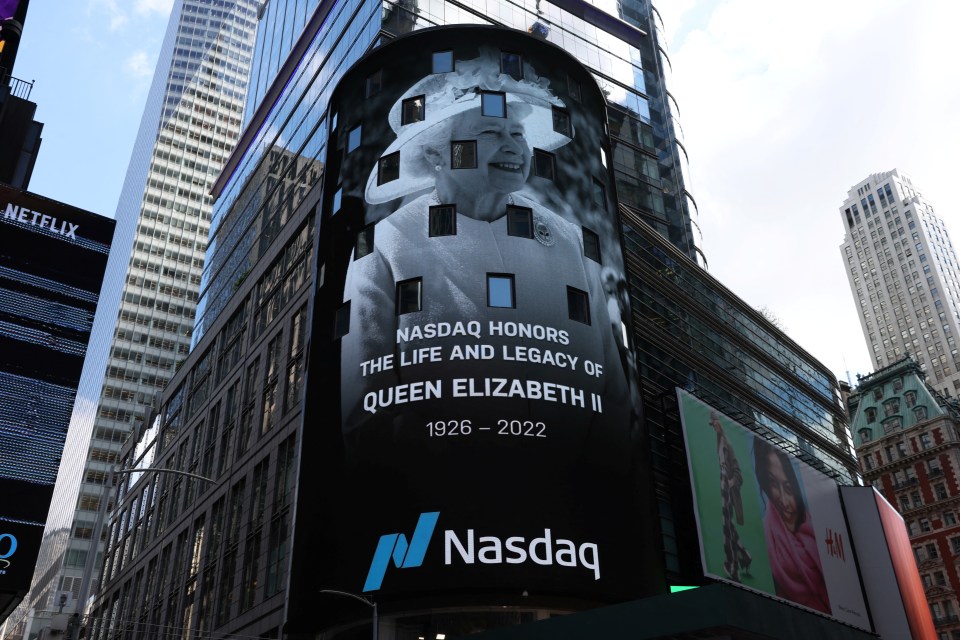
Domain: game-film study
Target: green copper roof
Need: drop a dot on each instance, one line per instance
(893, 399)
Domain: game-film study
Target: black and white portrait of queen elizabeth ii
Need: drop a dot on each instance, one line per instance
(474, 242)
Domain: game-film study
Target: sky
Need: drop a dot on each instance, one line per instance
(784, 106)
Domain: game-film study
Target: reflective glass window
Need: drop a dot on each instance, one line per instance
(493, 103)
(463, 154)
(578, 305)
(511, 64)
(409, 296)
(364, 244)
(443, 220)
(442, 61)
(411, 110)
(519, 222)
(500, 290)
(388, 168)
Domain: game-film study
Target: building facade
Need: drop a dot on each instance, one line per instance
(909, 449)
(51, 267)
(194, 557)
(904, 276)
(191, 121)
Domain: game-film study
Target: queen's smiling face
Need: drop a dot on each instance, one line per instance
(503, 157)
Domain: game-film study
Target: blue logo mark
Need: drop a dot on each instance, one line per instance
(405, 555)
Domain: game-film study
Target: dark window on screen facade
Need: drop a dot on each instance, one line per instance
(364, 244)
(511, 64)
(599, 195)
(543, 164)
(442, 61)
(578, 305)
(411, 110)
(409, 296)
(353, 138)
(561, 122)
(591, 245)
(519, 222)
(573, 89)
(463, 154)
(374, 84)
(388, 168)
(500, 291)
(493, 103)
(341, 322)
(443, 220)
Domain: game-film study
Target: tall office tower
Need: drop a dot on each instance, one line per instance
(904, 276)
(521, 484)
(190, 124)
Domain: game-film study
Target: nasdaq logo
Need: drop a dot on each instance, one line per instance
(8, 546)
(405, 555)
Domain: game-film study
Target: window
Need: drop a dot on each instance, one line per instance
(511, 64)
(519, 222)
(878, 393)
(591, 245)
(374, 83)
(561, 122)
(920, 413)
(337, 198)
(493, 103)
(500, 291)
(388, 168)
(924, 525)
(543, 164)
(364, 246)
(940, 490)
(409, 296)
(353, 138)
(955, 544)
(463, 154)
(949, 519)
(599, 195)
(443, 220)
(412, 110)
(932, 550)
(341, 322)
(871, 414)
(573, 89)
(578, 305)
(442, 61)
(926, 441)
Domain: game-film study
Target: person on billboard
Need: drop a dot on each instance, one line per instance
(735, 554)
(464, 151)
(791, 541)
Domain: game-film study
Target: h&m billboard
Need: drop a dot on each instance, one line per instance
(472, 393)
(767, 521)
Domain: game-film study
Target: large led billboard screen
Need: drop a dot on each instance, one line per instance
(52, 261)
(767, 521)
(471, 384)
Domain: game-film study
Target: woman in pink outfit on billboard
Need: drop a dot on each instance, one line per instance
(791, 541)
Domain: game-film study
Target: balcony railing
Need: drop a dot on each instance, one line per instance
(18, 88)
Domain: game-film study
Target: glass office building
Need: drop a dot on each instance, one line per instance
(197, 557)
(190, 123)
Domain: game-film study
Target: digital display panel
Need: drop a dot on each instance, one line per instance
(52, 262)
(767, 521)
(471, 390)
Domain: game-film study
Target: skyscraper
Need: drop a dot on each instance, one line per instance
(904, 276)
(190, 123)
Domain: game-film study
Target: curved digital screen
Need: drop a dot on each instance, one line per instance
(472, 392)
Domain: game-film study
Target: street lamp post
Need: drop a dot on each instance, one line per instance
(88, 566)
(370, 602)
